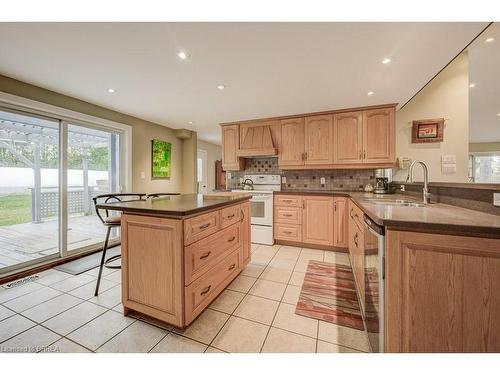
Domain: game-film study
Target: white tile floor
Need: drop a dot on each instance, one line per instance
(256, 313)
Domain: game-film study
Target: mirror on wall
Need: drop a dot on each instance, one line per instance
(484, 107)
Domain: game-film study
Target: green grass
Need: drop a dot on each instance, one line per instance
(15, 209)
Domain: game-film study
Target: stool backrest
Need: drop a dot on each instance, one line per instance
(115, 197)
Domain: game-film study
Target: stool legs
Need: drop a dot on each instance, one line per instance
(103, 258)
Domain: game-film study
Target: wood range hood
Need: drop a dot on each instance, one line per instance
(256, 140)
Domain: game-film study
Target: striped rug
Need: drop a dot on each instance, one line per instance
(329, 293)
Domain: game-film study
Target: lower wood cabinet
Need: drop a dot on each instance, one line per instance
(442, 293)
(317, 220)
(340, 222)
(356, 248)
(172, 269)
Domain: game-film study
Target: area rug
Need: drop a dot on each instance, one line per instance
(329, 293)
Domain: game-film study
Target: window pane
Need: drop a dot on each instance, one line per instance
(93, 158)
(486, 168)
(29, 189)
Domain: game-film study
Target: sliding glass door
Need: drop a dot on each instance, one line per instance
(29, 189)
(50, 170)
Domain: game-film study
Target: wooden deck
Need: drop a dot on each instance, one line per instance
(26, 242)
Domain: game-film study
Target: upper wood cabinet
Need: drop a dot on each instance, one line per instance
(317, 220)
(319, 140)
(348, 138)
(230, 147)
(292, 151)
(379, 136)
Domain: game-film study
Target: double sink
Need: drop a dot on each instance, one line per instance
(395, 202)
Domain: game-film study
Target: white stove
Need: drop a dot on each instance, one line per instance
(261, 206)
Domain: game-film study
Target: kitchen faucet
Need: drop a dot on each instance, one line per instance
(426, 194)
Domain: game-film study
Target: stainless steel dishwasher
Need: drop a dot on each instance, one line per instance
(374, 283)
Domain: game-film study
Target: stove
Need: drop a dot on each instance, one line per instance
(261, 206)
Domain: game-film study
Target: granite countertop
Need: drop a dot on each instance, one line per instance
(435, 216)
(175, 206)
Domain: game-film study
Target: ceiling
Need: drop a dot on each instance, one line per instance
(484, 97)
(269, 69)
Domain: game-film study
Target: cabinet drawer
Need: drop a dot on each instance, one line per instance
(288, 232)
(230, 215)
(204, 290)
(288, 200)
(288, 215)
(199, 227)
(356, 214)
(202, 255)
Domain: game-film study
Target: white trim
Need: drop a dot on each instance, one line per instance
(28, 105)
(63, 186)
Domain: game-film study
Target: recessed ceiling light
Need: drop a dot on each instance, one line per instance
(498, 114)
(221, 87)
(183, 55)
(370, 93)
(190, 122)
(472, 85)
(489, 40)
(386, 60)
(110, 90)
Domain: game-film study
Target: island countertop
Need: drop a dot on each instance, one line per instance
(176, 206)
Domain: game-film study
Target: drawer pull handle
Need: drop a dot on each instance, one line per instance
(206, 255)
(287, 200)
(206, 290)
(287, 232)
(230, 216)
(356, 239)
(204, 226)
(287, 215)
(232, 267)
(231, 239)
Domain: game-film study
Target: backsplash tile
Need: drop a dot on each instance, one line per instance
(335, 179)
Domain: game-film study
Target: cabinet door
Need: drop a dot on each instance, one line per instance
(340, 223)
(319, 140)
(152, 264)
(230, 145)
(292, 142)
(348, 140)
(245, 233)
(317, 220)
(356, 249)
(379, 136)
(441, 293)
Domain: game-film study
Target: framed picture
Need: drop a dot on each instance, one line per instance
(425, 131)
(161, 155)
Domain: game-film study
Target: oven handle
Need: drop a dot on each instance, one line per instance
(260, 198)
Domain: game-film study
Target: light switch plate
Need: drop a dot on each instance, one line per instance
(322, 181)
(496, 199)
(449, 159)
(143, 175)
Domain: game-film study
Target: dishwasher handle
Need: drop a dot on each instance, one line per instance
(378, 229)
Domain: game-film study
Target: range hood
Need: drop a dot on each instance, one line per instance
(256, 141)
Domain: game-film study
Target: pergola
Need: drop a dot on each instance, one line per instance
(35, 132)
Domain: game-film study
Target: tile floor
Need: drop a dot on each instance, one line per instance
(58, 313)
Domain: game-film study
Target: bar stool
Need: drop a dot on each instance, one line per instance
(110, 222)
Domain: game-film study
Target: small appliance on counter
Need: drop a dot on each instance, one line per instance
(383, 181)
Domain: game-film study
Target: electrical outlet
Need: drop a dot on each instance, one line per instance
(143, 175)
(283, 179)
(496, 199)
(322, 181)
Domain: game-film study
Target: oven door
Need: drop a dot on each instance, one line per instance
(261, 208)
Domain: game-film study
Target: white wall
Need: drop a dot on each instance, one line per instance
(214, 152)
(447, 96)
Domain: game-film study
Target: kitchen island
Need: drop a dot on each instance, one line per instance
(180, 252)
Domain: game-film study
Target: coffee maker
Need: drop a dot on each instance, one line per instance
(383, 181)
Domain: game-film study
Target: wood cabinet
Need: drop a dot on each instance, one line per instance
(153, 284)
(348, 138)
(379, 136)
(356, 248)
(288, 217)
(442, 293)
(292, 152)
(318, 140)
(230, 147)
(245, 233)
(340, 222)
(317, 220)
(172, 269)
